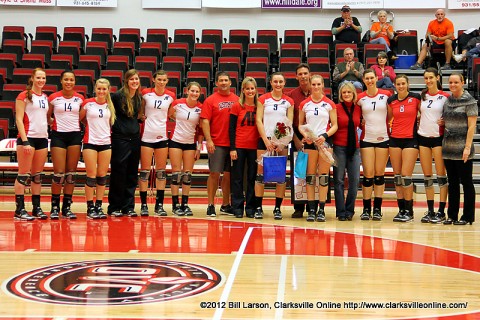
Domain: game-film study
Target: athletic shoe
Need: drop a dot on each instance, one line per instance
(54, 214)
(438, 218)
(297, 214)
(446, 66)
(399, 217)
(187, 210)
(23, 215)
(226, 209)
(116, 213)
(159, 211)
(178, 211)
(67, 213)
(144, 210)
(365, 214)
(416, 66)
(92, 213)
(429, 215)
(377, 214)
(258, 213)
(211, 211)
(277, 214)
(321, 216)
(311, 215)
(131, 214)
(408, 217)
(38, 213)
(100, 212)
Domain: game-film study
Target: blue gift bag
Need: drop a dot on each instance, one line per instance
(301, 163)
(274, 169)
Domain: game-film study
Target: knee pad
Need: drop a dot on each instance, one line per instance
(323, 180)
(397, 180)
(187, 178)
(91, 182)
(310, 179)
(101, 181)
(161, 174)
(24, 179)
(407, 181)
(259, 178)
(442, 181)
(379, 180)
(144, 175)
(37, 177)
(428, 181)
(58, 178)
(70, 177)
(176, 177)
(367, 182)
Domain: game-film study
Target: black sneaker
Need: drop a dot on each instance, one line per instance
(258, 213)
(321, 216)
(100, 212)
(311, 215)
(23, 215)
(131, 214)
(159, 211)
(377, 215)
(92, 213)
(188, 211)
(67, 213)
(408, 217)
(144, 210)
(116, 213)
(54, 214)
(38, 213)
(211, 211)
(429, 215)
(178, 211)
(400, 217)
(277, 214)
(365, 214)
(297, 214)
(438, 218)
(226, 209)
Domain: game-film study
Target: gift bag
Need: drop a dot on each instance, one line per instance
(274, 168)
(301, 163)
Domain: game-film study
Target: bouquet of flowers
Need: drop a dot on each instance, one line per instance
(323, 151)
(283, 134)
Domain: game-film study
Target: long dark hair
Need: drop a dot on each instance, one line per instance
(129, 104)
(439, 85)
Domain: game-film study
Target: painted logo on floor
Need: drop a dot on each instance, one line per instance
(114, 282)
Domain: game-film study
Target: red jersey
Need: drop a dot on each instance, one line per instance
(404, 124)
(246, 136)
(216, 109)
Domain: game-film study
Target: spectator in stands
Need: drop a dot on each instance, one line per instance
(347, 152)
(31, 108)
(299, 94)
(243, 148)
(66, 142)
(99, 115)
(430, 136)
(440, 34)
(156, 102)
(373, 145)
(470, 51)
(460, 116)
(125, 147)
(349, 70)
(381, 32)
(347, 29)
(215, 123)
(275, 106)
(385, 73)
(185, 145)
(402, 115)
(320, 114)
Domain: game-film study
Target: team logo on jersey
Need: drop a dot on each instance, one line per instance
(225, 105)
(410, 100)
(113, 282)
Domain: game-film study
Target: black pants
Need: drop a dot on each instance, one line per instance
(123, 174)
(245, 157)
(460, 172)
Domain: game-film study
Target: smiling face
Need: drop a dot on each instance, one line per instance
(401, 85)
(455, 84)
(277, 82)
(347, 94)
(39, 78)
(249, 90)
(68, 81)
(317, 85)
(223, 83)
(303, 77)
(431, 80)
(370, 79)
(101, 90)
(133, 82)
(193, 92)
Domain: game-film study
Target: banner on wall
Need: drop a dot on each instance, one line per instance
(231, 3)
(463, 4)
(291, 4)
(87, 3)
(32, 3)
(171, 4)
(387, 4)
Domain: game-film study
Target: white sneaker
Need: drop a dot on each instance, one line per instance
(458, 57)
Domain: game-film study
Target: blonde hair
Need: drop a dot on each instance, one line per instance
(347, 85)
(126, 92)
(110, 106)
(241, 100)
(30, 82)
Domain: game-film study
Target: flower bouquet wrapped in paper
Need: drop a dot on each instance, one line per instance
(322, 148)
(283, 134)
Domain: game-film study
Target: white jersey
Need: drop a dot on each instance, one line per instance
(186, 121)
(97, 130)
(374, 113)
(274, 111)
(431, 110)
(317, 114)
(66, 112)
(35, 116)
(156, 111)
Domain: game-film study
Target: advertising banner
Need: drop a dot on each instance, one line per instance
(87, 3)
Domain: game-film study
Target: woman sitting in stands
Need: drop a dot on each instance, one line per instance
(385, 74)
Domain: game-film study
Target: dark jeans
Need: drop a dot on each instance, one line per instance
(460, 172)
(352, 166)
(245, 157)
(123, 174)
